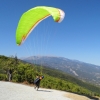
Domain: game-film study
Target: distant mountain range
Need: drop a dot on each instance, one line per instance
(84, 71)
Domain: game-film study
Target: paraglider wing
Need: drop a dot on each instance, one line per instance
(30, 19)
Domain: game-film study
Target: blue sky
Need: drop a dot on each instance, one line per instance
(77, 37)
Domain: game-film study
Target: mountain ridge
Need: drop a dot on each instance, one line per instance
(84, 71)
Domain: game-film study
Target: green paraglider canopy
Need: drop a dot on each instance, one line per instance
(30, 19)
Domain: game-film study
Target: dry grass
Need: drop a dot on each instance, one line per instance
(76, 96)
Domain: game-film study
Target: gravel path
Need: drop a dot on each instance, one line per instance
(13, 91)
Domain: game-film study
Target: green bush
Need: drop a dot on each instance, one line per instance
(3, 77)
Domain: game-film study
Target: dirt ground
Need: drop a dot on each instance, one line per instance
(14, 91)
(76, 96)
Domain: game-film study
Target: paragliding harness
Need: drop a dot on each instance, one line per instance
(37, 82)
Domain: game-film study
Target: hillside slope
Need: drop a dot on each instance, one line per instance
(54, 79)
(84, 71)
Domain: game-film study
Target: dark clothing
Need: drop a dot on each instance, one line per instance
(36, 80)
(37, 83)
(10, 71)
